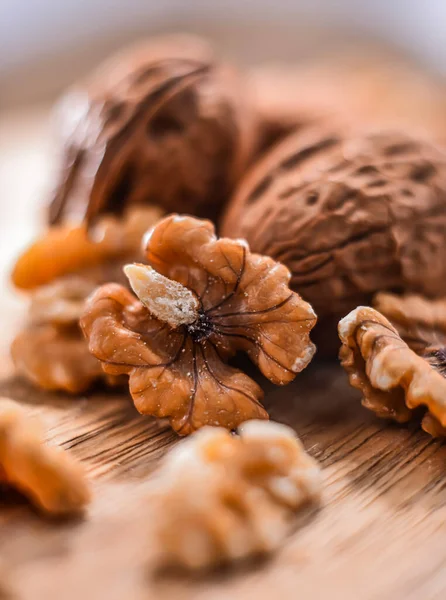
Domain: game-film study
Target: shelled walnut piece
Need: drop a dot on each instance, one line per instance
(163, 122)
(420, 322)
(201, 300)
(348, 214)
(49, 477)
(393, 379)
(220, 498)
(51, 351)
(65, 249)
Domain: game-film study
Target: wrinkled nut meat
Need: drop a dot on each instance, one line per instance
(220, 498)
(48, 476)
(51, 351)
(201, 300)
(393, 379)
(164, 123)
(349, 215)
(64, 250)
(368, 89)
(420, 322)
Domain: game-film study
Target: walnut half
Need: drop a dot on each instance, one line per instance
(393, 379)
(202, 300)
(49, 477)
(220, 498)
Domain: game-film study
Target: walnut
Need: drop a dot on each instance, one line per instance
(220, 498)
(201, 300)
(51, 351)
(420, 322)
(49, 477)
(164, 122)
(349, 215)
(371, 89)
(393, 379)
(64, 249)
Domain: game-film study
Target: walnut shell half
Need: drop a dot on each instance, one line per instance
(393, 379)
(219, 498)
(163, 122)
(348, 214)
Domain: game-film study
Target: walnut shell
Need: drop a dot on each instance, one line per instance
(163, 122)
(349, 215)
(373, 89)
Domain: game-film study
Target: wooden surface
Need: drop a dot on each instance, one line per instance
(379, 534)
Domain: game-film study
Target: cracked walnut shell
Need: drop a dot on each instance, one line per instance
(220, 498)
(201, 300)
(163, 122)
(393, 379)
(349, 215)
(48, 476)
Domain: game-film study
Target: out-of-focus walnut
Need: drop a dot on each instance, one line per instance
(203, 300)
(349, 215)
(393, 379)
(420, 322)
(49, 477)
(220, 498)
(163, 122)
(373, 90)
(63, 250)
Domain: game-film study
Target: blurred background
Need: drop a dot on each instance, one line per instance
(45, 45)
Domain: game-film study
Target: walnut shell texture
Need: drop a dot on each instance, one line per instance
(204, 300)
(163, 122)
(48, 476)
(393, 379)
(350, 214)
(220, 498)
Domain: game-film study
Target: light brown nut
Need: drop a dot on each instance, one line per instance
(51, 351)
(349, 215)
(65, 250)
(220, 498)
(420, 322)
(393, 379)
(202, 300)
(49, 477)
(366, 89)
(163, 122)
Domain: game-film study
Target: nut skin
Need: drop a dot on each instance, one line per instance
(394, 380)
(163, 122)
(178, 367)
(47, 475)
(220, 498)
(350, 214)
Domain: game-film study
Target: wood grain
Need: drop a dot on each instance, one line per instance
(379, 533)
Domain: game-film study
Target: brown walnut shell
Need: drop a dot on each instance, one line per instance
(164, 123)
(349, 215)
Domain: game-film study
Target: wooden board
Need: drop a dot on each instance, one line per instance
(379, 534)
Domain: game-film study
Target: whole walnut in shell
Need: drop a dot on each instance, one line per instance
(348, 214)
(163, 122)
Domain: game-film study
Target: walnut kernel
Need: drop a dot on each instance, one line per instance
(220, 498)
(200, 301)
(49, 477)
(393, 379)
